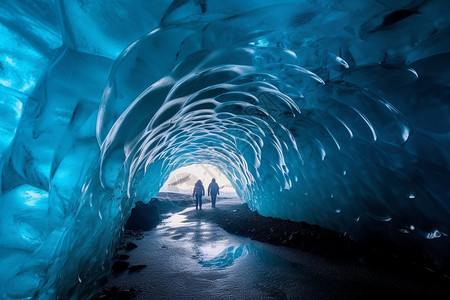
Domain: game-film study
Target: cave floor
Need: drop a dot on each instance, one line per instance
(190, 257)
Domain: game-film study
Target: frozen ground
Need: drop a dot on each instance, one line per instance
(189, 257)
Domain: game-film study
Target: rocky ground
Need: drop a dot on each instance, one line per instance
(238, 219)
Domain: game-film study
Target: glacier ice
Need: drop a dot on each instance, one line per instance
(331, 112)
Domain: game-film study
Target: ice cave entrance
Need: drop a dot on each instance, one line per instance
(182, 180)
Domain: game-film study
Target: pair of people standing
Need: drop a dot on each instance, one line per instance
(199, 191)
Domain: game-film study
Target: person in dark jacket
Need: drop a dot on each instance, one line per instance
(213, 189)
(198, 192)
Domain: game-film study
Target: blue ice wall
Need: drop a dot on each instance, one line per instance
(331, 112)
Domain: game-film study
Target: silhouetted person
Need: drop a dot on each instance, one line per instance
(213, 189)
(199, 191)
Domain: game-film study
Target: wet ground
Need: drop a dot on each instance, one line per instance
(189, 256)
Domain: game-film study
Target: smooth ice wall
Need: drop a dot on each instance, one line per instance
(332, 112)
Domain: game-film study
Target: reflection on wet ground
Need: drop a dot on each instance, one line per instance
(193, 235)
(227, 256)
(190, 258)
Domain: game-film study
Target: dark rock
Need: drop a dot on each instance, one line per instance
(130, 246)
(120, 266)
(115, 293)
(372, 251)
(135, 234)
(144, 216)
(123, 257)
(241, 220)
(136, 268)
(184, 203)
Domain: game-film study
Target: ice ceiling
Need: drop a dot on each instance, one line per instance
(332, 112)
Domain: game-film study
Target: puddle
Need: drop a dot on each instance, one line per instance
(232, 254)
(227, 257)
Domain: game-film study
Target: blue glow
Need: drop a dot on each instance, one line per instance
(330, 112)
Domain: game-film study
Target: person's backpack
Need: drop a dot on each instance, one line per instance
(198, 190)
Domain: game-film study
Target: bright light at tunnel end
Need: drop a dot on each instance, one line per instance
(182, 180)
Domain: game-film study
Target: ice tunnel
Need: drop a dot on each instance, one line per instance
(331, 112)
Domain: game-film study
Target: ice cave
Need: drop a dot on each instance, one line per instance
(331, 112)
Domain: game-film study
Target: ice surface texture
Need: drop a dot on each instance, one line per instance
(331, 112)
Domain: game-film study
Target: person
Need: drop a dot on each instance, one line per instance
(213, 189)
(198, 192)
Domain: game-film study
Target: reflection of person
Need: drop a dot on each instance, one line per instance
(198, 192)
(213, 189)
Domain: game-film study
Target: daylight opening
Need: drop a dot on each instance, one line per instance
(182, 180)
